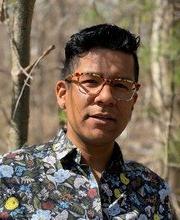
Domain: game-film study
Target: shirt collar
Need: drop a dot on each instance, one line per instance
(61, 145)
(63, 148)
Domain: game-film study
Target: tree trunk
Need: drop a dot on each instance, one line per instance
(161, 27)
(20, 51)
(161, 72)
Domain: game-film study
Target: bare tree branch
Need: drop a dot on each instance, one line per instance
(22, 70)
(28, 71)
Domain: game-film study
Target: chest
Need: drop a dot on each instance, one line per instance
(66, 195)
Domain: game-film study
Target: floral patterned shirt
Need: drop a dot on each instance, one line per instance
(49, 182)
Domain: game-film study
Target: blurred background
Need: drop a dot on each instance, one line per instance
(153, 135)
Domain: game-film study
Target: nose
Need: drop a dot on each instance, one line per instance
(105, 96)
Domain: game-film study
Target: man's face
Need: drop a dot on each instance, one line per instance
(97, 120)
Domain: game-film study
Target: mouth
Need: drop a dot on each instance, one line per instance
(103, 117)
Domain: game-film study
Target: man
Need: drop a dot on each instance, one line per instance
(81, 174)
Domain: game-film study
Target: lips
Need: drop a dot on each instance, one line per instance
(100, 116)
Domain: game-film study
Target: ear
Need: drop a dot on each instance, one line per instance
(135, 97)
(61, 91)
(134, 100)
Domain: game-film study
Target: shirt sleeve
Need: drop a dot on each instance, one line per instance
(163, 209)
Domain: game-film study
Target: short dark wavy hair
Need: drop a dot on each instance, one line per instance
(107, 36)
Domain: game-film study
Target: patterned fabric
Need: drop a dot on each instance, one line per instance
(49, 182)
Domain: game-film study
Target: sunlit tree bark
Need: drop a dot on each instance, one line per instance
(20, 51)
(163, 80)
(160, 68)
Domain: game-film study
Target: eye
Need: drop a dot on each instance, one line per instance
(90, 80)
(90, 83)
(120, 85)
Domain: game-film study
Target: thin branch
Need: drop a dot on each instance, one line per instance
(29, 71)
(31, 67)
(22, 70)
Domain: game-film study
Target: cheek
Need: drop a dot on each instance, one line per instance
(125, 111)
(76, 106)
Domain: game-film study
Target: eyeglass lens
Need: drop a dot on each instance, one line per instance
(92, 84)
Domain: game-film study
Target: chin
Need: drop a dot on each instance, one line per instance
(101, 136)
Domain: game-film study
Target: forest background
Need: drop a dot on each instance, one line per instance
(153, 135)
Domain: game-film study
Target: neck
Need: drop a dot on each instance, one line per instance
(97, 158)
(94, 155)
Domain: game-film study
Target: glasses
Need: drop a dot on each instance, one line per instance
(93, 83)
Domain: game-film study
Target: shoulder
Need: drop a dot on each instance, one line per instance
(134, 168)
(150, 186)
(145, 177)
(147, 184)
(21, 167)
(26, 158)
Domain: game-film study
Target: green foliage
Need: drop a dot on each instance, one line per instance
(151, 112)
(174, 52)
(147, 6)
(174, 149)
(174, 44)
(11, 1)
(62, 117)
(177, 75)
(90, 16)
(144, 57)
(146, 10)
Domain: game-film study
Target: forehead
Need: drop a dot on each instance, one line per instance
(107, 62)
